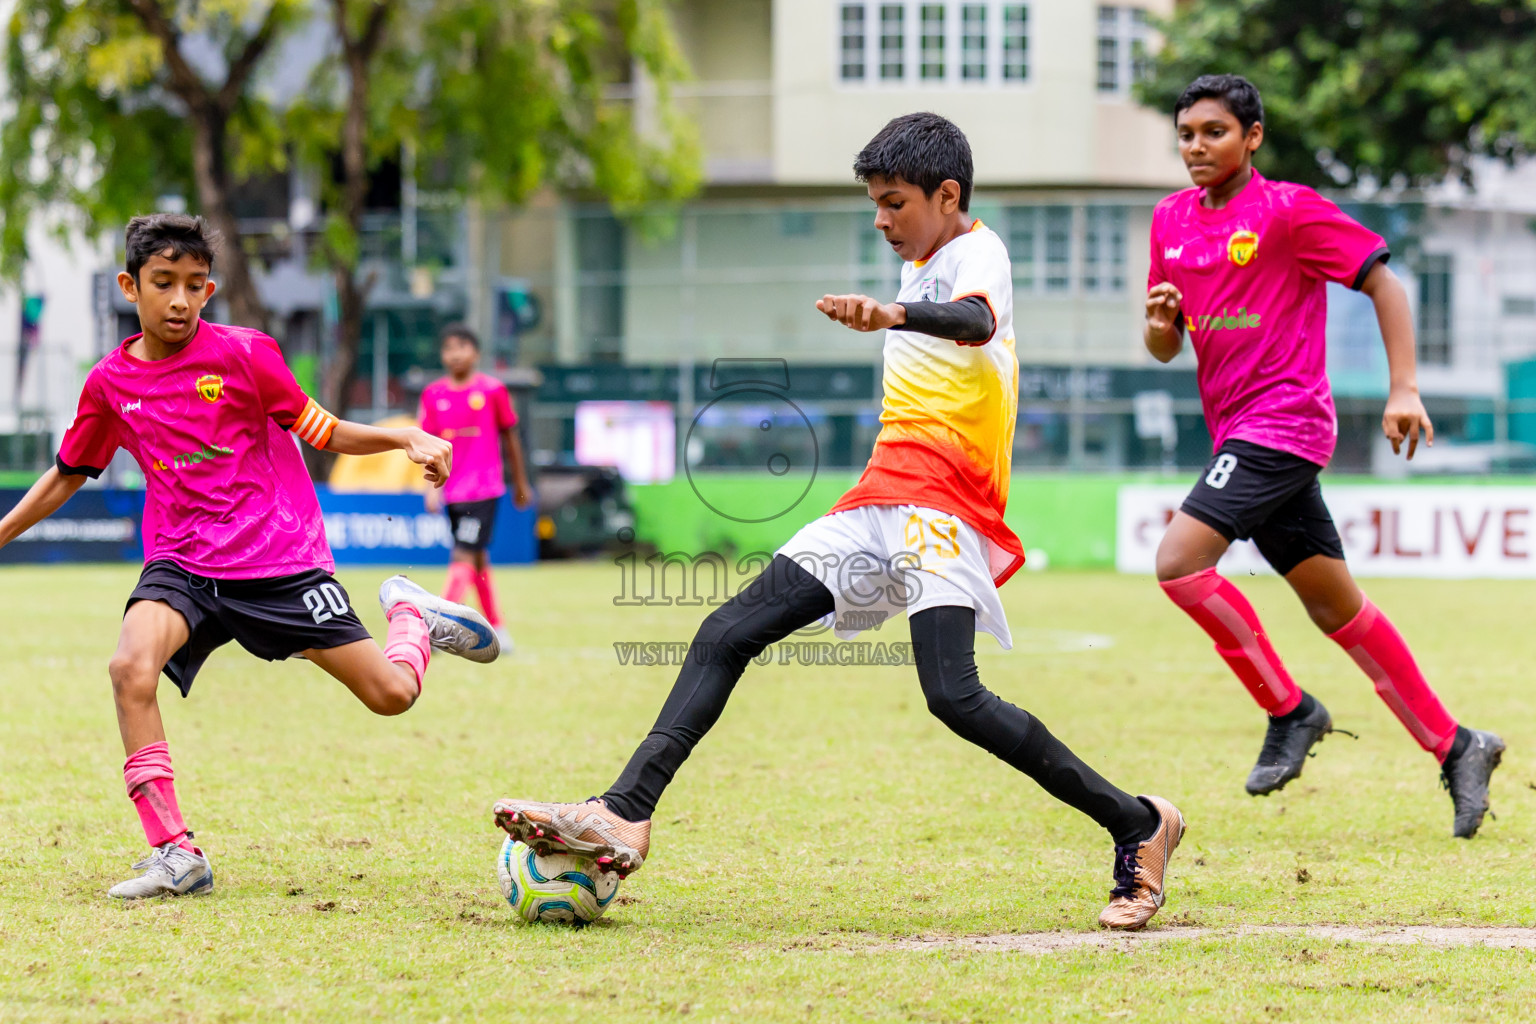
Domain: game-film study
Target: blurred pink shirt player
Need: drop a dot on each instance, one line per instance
(472, 416)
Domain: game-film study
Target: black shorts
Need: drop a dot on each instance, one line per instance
(472, 523)
(1250, 491)
(273, 618)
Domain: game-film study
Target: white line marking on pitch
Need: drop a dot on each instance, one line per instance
(1392, 935)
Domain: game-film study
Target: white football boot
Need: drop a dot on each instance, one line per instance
(455, 628)
(169, 870)
(505, 639)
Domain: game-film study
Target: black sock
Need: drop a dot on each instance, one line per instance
(1305, 707)
(944, 644)
(781, 600)
(1154, 820)
(1459, 744)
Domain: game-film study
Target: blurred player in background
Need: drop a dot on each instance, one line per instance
(921, 532)
(1241, 265)
(474, 411)
(234, 544)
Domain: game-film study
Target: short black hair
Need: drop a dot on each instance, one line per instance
(184, 235)
(458, 330)
(1236, 93)
(922, 149)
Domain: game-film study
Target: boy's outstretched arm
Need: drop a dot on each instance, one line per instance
(1404, 416)
(432, 453)
(862, 313)
(52, 490)
(517, 467)
(968, 319)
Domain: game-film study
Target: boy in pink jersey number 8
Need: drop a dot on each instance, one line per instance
(1241, 265)
(234, 543)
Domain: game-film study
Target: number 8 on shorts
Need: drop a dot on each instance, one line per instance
(1221, 471)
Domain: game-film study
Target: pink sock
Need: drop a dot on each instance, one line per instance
(1227, 617)
(487, 597)
(408, 642)
(151, 786)
(1379, 649)
(461, 576)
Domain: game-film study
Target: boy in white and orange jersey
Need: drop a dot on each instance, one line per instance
(921, 532)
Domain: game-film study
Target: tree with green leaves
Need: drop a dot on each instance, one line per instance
(1402, 92)
(115, 103)
(502, 98)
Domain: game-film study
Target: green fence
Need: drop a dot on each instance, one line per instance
(1070, 518)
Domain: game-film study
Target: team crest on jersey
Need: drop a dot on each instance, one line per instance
(1242, 247)
(210, 387)
(476, 401)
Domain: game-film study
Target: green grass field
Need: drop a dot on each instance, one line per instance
(825, 824)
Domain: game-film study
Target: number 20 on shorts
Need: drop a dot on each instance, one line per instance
(325, 602)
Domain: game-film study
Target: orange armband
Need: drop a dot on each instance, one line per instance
(315, 425)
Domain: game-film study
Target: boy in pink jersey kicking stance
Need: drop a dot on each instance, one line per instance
(234, 545)
(1240, 264)
(474, 411)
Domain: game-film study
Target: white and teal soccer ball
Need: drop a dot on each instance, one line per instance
(559, 887)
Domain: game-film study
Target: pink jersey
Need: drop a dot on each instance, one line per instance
(227, 493)
(1254, 275)
(472, 417)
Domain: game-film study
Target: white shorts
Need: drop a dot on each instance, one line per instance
(881, 560)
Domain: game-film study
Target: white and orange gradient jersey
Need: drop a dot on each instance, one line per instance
(946, 438)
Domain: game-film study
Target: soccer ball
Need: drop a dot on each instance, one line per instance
(559, 887)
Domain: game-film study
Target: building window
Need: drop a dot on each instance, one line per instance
(1123, 55)
(1058, 248)
(893, 42)
(1141, 55)
(1519, 305)
(1015, 42)
(1023, 246)
(945, 42)
(1434, 327)
(1109, 52)
(852, 43)
(1104, 249)
(973, 42)
(931, 20)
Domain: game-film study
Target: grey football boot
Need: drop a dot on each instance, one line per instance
(1285, 749)
(455, 628)
(169, 870)
(1467, 779)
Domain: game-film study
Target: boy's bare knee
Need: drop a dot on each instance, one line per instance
(1173, 564)
(1329, 616)
(134, 677)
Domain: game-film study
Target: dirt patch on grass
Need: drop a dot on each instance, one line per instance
(1428, 935)
(1440, 936)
